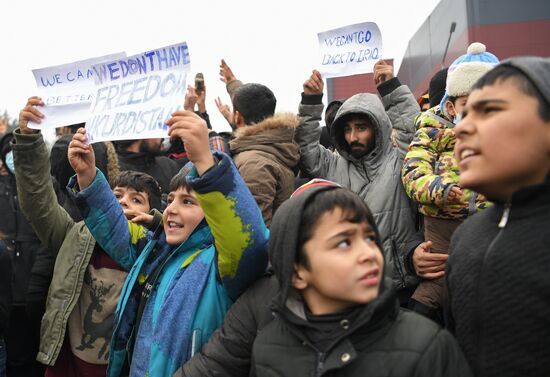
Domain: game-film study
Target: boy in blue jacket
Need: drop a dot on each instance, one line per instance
(182, 279)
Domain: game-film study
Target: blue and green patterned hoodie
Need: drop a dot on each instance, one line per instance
(198, 279)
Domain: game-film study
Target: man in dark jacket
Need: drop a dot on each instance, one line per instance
(145, 156)
(498, 269)
(22, 246)
(5, 302)
(367, 163)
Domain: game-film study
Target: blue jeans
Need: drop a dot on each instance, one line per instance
(2, 358)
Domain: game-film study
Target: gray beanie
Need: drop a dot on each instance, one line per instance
(536, 69)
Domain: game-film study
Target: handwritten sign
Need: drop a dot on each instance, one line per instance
(350, 50)
(67, 91)
(135, 96)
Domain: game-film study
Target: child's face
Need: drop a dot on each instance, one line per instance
(132, 201)
(182, 216)
(502, 143)
(345, 265)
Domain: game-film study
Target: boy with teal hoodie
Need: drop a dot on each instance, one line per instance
(182, 278)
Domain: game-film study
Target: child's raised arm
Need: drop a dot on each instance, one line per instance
(99, 207)
(240, 235)
(82, 159)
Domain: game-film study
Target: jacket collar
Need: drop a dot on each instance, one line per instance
(360, 321)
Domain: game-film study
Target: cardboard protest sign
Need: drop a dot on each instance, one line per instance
(67, 91)
(349, 50)
(136, 95)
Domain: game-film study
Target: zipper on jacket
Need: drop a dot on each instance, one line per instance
(320, 363)
(505, 216)
(397, 264)
(477, 314)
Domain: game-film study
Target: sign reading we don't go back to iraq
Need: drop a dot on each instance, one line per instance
(349, 50)
(135, 95)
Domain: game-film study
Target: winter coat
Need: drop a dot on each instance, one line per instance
(229, 350)
(5, 288)
(21, 240)
(377, 176)
(70, 242)
(266, 156)
(161, 168)
(378, 339)
(499, 286)
(197, 279)
(430, 169)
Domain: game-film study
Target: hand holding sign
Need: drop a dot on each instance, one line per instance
(30, 113)
(382, 72)
(82, 159)
(192, 130)
(314, 85)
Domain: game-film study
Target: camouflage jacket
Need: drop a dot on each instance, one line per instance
(430, 169)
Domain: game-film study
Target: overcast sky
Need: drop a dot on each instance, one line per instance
(271, 42)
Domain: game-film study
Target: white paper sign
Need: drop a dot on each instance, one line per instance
(67, 91)
(135, 96)
(349, 50)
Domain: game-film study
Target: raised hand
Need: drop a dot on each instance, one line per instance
(225, 110)
(193, 132)
(382, 72)
(30, 112)
(226, 75)
(314, 84)
(191, 98)
(82, 159)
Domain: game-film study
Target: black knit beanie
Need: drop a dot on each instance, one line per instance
(437, 87)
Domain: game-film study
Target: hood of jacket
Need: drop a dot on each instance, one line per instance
(285, 233)
(369, 105)
(274, 135)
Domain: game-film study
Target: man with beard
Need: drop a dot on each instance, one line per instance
(367, 163)
(145, 156)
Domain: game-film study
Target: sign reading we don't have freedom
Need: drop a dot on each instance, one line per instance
(135, 95)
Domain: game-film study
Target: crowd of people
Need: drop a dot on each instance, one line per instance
(404, 237)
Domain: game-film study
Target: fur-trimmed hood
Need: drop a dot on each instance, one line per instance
(277, 121)
(274, 135)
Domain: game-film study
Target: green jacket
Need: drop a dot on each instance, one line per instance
(430, 169)
(70, 242)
